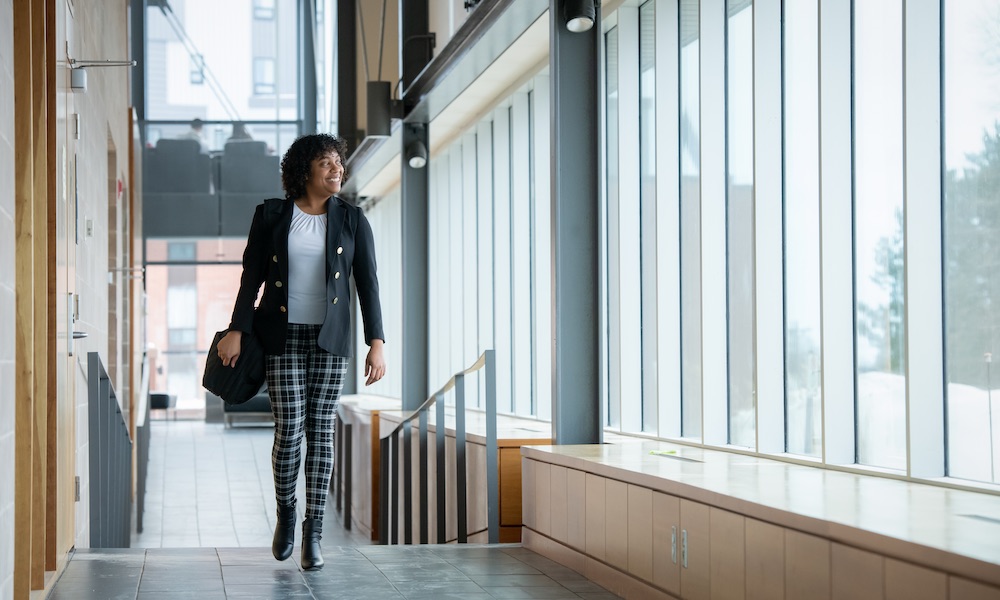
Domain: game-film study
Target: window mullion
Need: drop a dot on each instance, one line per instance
(922, 197)
(836, 218)
(769, 243)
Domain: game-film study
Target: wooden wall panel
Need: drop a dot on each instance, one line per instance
(727, 552)
(963, 589)
(528, 493)
(616, 524)
(596, 504)
(855, 574)
(543, 498)
(640, 533)
(558, 504)
(807, 566)
(576, 513)
(904, 581)
(765, 561)
(511, 513)
(32, 472)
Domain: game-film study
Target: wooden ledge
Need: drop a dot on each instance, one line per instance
(956, 531)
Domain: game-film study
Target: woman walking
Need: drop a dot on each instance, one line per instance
(303, 248)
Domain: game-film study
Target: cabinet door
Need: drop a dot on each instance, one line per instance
(963, 589)
(856, 574)
(616, 524)
(597, 510)
(667, 542)
(728, 565)
(807, 566)
(640, 534)
(696, 583)
(905, 581)
(765, 561)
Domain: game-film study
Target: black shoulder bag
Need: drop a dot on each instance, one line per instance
(235, 384)
(238, 383)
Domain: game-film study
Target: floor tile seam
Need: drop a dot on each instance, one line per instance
(540, 571)
(410, 581)
(387, 580)
(142, 571)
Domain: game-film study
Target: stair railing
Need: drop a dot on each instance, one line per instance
(389, 495)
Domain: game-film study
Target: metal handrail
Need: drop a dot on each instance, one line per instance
(142, 434)
(389, 530)
(142, 398)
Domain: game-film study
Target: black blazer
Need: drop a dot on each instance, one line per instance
(350, 249)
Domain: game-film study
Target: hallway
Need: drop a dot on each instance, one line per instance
(207, 534)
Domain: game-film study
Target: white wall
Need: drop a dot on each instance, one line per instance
(6, 299)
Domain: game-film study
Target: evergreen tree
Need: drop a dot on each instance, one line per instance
(884, 324)
(972, 264)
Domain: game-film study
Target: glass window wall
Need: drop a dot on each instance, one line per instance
(740, 236)
(972, 236)
(690, 195)
(878, 231)
(803, 368)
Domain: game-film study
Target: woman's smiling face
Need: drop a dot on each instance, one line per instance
(326, 175)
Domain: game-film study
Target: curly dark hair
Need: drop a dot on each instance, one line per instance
(296, 165)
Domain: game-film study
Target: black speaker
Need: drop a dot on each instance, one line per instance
(379, 108)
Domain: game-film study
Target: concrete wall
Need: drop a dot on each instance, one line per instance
(94, 32)
(6, 299)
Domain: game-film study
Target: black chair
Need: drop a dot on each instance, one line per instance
(177, 166)
(163, 401)
(245, 148)
(249, 173)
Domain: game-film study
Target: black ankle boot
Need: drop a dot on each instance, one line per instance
(284, 533)
(312, 555)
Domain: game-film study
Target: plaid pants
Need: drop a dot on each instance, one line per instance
(304, 384)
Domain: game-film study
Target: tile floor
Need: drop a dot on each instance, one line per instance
(207, 534)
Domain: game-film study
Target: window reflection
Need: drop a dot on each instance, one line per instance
(878, 231)
(739, 201)
(972, 236)
(803, 370)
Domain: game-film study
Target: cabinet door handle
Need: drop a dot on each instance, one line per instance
(673, 544)
(684, 547)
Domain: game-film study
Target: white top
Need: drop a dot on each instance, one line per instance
(307, 268)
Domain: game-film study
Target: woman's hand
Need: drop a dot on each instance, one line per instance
(375, 363)
(229, 348)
